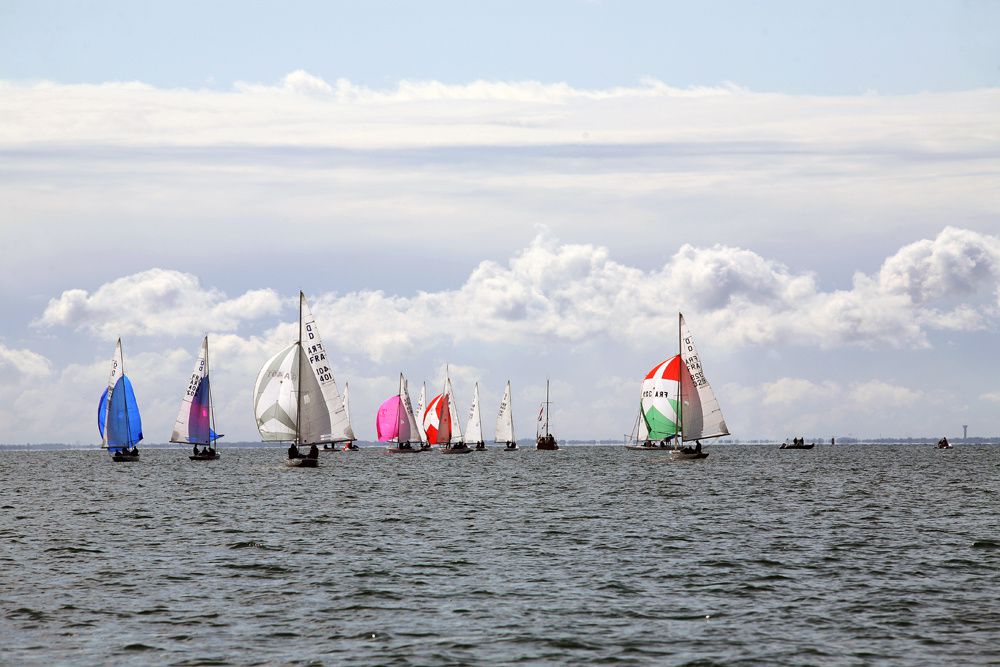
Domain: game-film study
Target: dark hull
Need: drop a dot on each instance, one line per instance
(797, 446)
(403, 450)
(124, 458)
(546, 442)
(302, 463)
(678, 455)
(457, 450)
(204, 457)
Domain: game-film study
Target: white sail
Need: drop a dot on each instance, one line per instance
(323, 417)
(412, 426)
(701, 416)
(420, 412)
(505, 418)
(275, 396)
(474, 429)
(117, 370)
(347, 403)
(456, 426)
(195, 428)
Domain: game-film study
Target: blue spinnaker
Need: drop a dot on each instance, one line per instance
(123, 422)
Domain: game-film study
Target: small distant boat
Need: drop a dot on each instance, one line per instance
(677, 405)
(944, 444)
(296, 397)
(418, 414)
(797, 443)
(195, 423)
(395, 424)
(474, 429)
(543, 438)
(118, 417)
(505, 423)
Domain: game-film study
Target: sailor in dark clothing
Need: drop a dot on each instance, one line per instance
(697, 446)
(194, 450)
(314, 451)
(293, 451)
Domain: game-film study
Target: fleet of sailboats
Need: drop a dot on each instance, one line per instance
(296, 400)
(677, 404)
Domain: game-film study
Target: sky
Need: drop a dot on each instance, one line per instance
(521, 191)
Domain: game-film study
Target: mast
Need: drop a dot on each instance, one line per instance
(546, 407)
(211, 404)
(128, 428)
(680, 383)
(298, 379)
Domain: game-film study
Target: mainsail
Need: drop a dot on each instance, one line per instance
(347, 404)
(117, 412)
(411, 421)
(296, 396)
(702, 416)
(474, 429)
(456, 427)
(505, 418)
(420, 412)
(195, 418)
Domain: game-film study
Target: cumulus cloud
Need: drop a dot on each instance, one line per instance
(24, 361)
(575, 292)
(156, 302)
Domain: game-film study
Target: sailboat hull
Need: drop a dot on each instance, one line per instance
(124, 458)
(547, 442)
(463, 449)
(809, 446)
(678, 455)
(204, 457)
(302, 463)
(403, 450)
(651, 448)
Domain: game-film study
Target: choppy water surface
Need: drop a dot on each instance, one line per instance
(589, 555)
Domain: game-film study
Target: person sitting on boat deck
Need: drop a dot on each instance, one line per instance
(194, 450)
(293, 451)
(697, 446)
(314, 451)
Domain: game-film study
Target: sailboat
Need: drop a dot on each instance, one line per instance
(349, 445)
(296, 398)
(677, 404)
(395, 423)
(544, 439)
(195, 423)
(419, 413)
(456, 443)
(505, 423)
(474, 428)
(118, 417)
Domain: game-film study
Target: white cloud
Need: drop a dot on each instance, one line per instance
(991, 396)
(24, 361)
(156, 302)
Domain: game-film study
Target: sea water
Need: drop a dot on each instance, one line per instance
(584, 556)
